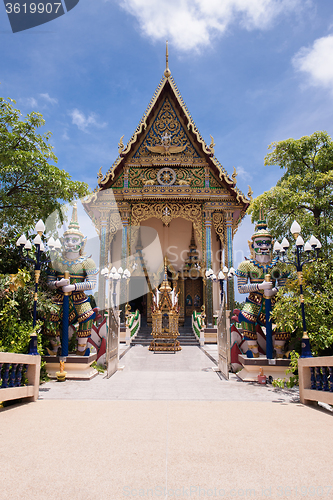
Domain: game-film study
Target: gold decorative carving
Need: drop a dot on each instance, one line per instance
(139, 177)
(165, 147)
(234, 175)
(168, 211)
(119, 183)
(166, 135)
(219, 225)
(197, 176)
(148, 182)
(212, 144)
(121, 145)
(184, 177)
(250, 193)
(114, 225)
(133, 239)
(214, 183)
(99, 175)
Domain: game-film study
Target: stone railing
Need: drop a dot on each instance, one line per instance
(198, 327)
(131, 327)
(316, 379)
(133, 324)
(13, 369)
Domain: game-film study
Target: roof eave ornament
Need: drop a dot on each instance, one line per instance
(167, 71)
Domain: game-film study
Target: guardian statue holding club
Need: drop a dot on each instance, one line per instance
(260, 277)
(71, 297)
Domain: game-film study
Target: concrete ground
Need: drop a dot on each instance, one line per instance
(166, 426)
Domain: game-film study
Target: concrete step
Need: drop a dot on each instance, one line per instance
(186, 336)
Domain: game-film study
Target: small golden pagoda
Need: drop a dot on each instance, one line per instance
(165, 316)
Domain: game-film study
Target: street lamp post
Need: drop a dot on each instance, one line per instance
(223, 275)
(114, 276)
(313, 245)
(25, 244)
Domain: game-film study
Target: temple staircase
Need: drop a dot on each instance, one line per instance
(186, 335)
(143, 337)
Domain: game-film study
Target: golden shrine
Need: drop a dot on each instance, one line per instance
(165, 317)
(167, 182)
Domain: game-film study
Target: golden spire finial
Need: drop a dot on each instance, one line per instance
(167, 71)
(250, 193)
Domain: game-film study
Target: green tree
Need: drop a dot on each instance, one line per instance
(304, 193)
(318, 301)
(31, 186)
(305, 190)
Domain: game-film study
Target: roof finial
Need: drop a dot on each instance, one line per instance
(167, 72)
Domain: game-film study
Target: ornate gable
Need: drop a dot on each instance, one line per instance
(167, 124)
(166, 157)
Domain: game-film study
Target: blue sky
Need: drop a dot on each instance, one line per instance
(250, 71)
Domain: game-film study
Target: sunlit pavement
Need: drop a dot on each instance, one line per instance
(166, 426)
(187, 375)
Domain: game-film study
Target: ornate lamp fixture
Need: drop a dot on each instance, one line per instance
(310, 248)
(115, 276)
(223, 275)
(25, 244)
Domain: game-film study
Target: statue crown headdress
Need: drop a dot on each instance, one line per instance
(74, 227)
(261, 225)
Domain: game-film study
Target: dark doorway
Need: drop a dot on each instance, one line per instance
(193, 296)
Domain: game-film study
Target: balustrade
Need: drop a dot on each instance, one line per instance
(316, 379)
(19, 376)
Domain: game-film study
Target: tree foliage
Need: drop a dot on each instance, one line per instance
(304, 193)
(16, 307)
(31, 186)
(318, 302)
(305, 190)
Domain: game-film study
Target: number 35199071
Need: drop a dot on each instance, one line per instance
(32, 8)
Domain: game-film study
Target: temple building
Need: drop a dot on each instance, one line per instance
(167, 189)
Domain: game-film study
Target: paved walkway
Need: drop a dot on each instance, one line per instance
(166, 427)
(187, 375)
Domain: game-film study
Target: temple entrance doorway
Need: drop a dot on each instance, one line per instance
(193, 296)
(138, 301)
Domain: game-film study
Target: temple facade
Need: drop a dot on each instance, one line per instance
(167, 195)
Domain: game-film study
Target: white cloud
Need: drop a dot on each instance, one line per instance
(317, 62)
(51, 100)
(82, 122)
(193, 23)
(243, 174)
(28, 101)
(65, 135)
